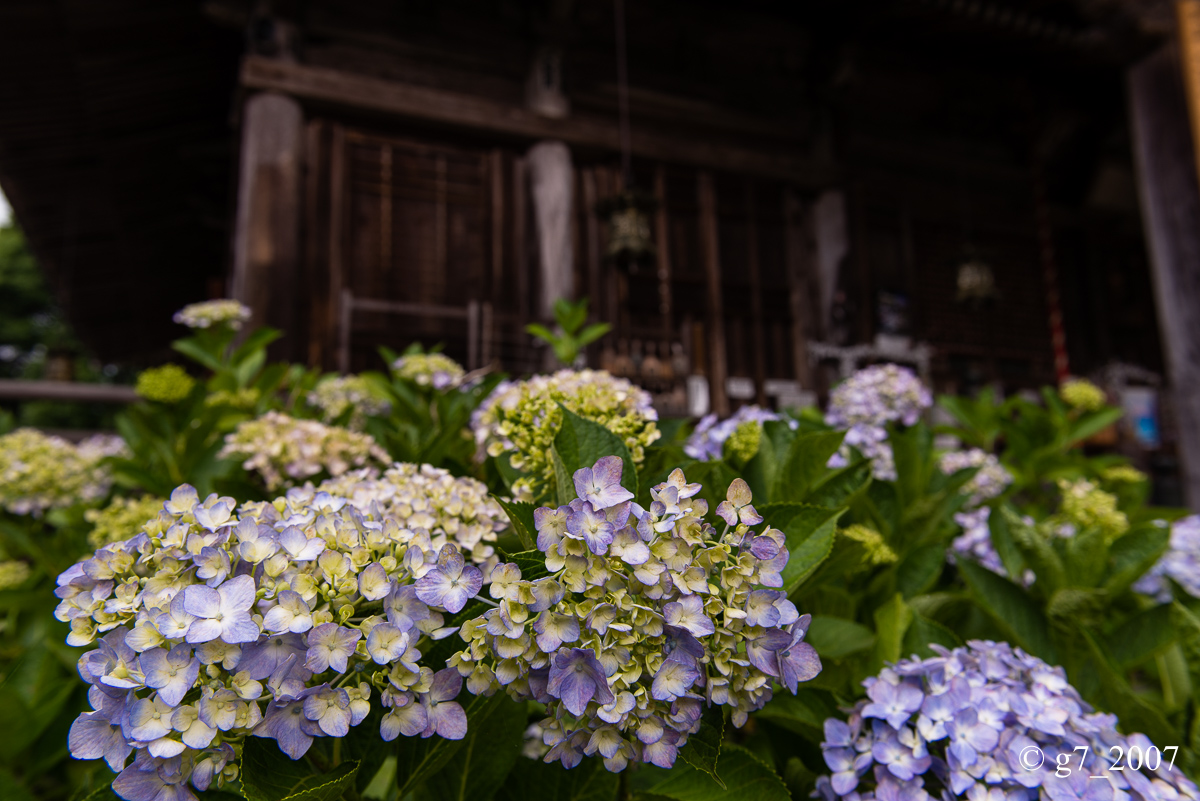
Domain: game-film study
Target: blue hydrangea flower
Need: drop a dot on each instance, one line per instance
(987, 722)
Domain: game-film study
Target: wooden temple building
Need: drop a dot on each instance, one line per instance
(994, 190)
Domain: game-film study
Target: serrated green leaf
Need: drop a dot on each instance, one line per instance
(194, 351)
(564, 488)
(1135, 712)
(804, 713)
(532, 780)
(804, 464)
(920, 569)
(703, 748)
(1142, 636)
(1012, 608)
(520, 514)
(268, 774)
(810, 534)
(892, 620)
(836, 638)
(489, 751)
(1132, 554)
(747, 778)
(778, 515)
(532, 564)
(923, 632)
(581, 443)
(838, 486)
(1037, 552)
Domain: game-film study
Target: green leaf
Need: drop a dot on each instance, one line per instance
(805, 463)
(1092, 423)
(581, 443)
(249, 366)
(778, 515)
(520, 514)
(592, 333)
(810, 535)
(1141, 636)
(257, 340)
(1037, 551)
(1012, 608)
(838, 486)
(1135, 712)
(924, 632)
(1134, 553)
(534, 780)
(194, 351)
(532, 564)
(804, 713)
(542, 332)
(703, 748)
(746, 777)
(488, 752)
(564, 487)
(920, 569)
(419, 758)
(835, 638)
(268, 774)
(892, 620)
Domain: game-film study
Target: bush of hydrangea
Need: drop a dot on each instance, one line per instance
(865, 403)
(285, 450)
(213, 313)
(39, 472)
(707, 441)
(335, 395)
(169, 383)
(646, 617)
(121, 519)
(987, 721)
(435, 370)
(424, 497)
(1180, 564)
(520, 420)
(285, 620)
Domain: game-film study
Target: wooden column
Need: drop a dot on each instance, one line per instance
(662, 244)
(711, 254)
(266, 246)
(799, 262)
(758, 342)
(1170, 200)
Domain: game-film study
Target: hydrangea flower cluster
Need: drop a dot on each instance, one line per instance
(1081, 394)
(282, 621)
(40, 472)
(988, 722)
(989, 481)
(435, 370)
(284, 449)
(707, 442)
(121, 519)
(1084, 505)
(335, 394)
(1180, 564)
(976, 541)
(430, 500)
(522, 419)
(646, 616)
(169, 383)
(213, 313)
(13, 573)
(865, 403)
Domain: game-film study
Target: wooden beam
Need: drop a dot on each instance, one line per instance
(706, 196)
(11, 389)
(339, 88)
(1170, 200)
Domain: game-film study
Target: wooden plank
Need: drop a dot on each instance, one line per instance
(1167, 182)
(706, 197)
(345, 89)
(799, 265)
(662, 243)
(315, 173)
(758, 342)
(1188, 16)
(11, 389)
(338, 190)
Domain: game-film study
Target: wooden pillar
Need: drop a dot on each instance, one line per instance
(662, 244)
(711, 253)
(798, 255)
(1170, 200)
(758, 342)
(266, 246)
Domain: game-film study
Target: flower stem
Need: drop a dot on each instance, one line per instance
(487, 601)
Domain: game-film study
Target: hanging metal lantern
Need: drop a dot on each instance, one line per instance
(630, 241)
(976, 282)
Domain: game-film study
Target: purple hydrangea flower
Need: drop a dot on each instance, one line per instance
(600, 485)
(452, 583)
(576, 678)
(223, 612)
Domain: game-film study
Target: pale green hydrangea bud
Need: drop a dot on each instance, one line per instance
(435, 370)
(522, 418)
(285, 450)
(743, 443)
(213, 313)
(877, 552)
(40, 472)
(335, 394)
(169, 383)
(1086, 506)
(121, 519)
(13, 574)
(1083, 395)
(1123, 474)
